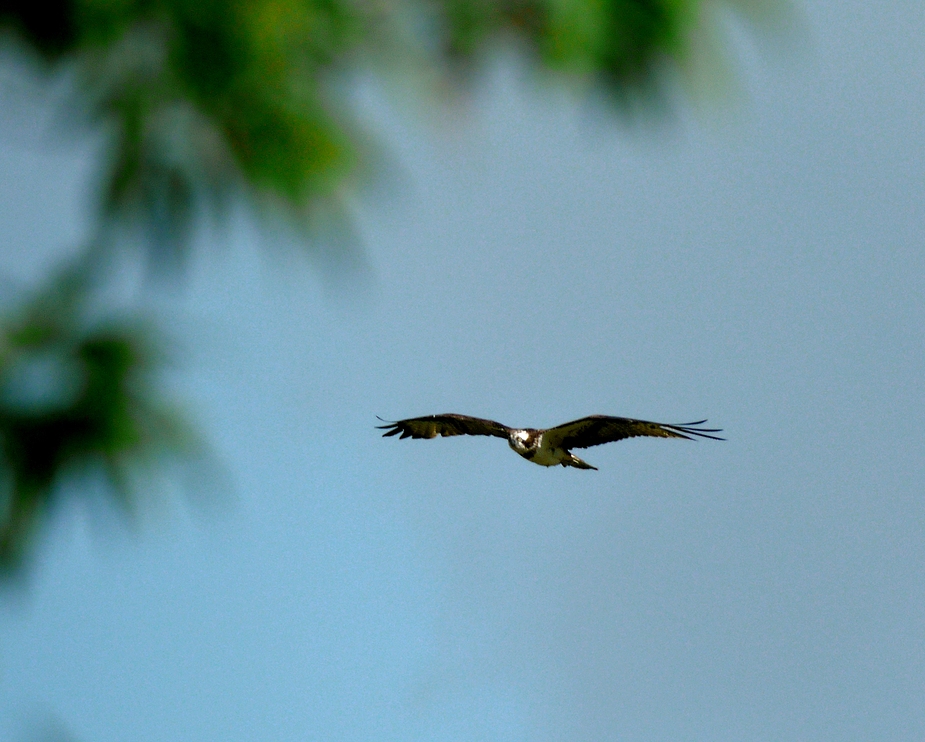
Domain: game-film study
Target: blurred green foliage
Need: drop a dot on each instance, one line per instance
(205, 98)
(77, 399)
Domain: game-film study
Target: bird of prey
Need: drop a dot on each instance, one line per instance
(549, 446)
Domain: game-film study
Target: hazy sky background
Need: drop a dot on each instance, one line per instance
(761, 265)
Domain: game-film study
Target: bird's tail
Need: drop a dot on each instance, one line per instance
(573, 460)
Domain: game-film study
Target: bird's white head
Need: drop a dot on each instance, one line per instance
(522, 441)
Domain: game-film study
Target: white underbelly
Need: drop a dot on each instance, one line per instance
(548, 456)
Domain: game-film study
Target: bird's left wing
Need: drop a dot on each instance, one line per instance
(449, 424)
(598, 429)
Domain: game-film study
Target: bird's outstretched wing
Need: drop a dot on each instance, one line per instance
(449, 424)
(598, 429)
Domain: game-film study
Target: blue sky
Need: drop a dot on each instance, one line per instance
(758, 262)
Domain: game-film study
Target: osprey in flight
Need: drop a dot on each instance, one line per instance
(549, 446)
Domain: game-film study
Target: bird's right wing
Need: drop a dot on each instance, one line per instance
(449, 424)
(598, 429)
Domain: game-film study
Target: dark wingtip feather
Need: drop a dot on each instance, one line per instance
(699, 432)
(390, 426)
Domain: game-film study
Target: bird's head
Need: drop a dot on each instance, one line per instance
(522, 440)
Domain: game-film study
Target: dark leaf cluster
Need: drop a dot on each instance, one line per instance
(76, 400)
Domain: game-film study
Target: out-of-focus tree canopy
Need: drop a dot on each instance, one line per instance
(77, 400)
(204, 100)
